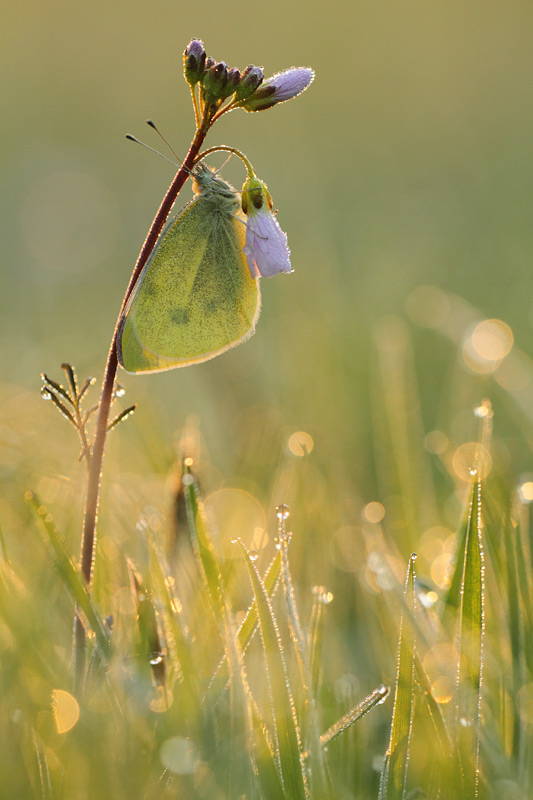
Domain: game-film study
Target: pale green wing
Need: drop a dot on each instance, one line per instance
(195, 297)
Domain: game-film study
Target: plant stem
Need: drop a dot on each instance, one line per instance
(106, 397)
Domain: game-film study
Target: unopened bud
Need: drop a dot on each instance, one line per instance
(194, 61)
(214, 83)
(251, 78)
(234, 77)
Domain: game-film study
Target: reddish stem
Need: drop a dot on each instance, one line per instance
(106, 396)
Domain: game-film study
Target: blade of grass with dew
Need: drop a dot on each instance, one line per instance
(453, 596)
(435, 712)
(470, 663)
(356, 713)
(47, 792)
(246, 630)
(150, 650)
(69, 573)
(203, 546)
(309, 722)
(515, 629)
(394, 773)
(211, 571)
(316, 633)
(180, 651)
(267, 768)
(525, 584)
(287, 734)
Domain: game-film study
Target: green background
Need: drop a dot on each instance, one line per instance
(407, 163)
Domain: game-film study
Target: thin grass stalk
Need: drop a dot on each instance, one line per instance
(318, 777)
(394, 774)
(470, 663)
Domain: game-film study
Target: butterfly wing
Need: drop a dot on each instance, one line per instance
(195, 297)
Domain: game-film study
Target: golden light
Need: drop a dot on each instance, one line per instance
(432, 542)
(442, 689)
(66, 710)
(488, 344)
(374, 512)
(515, 373)
(492, 339)
(235, 513)
(440, 570)
(526, 492)
(471, 456)
(300, 443)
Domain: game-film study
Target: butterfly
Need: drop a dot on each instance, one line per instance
(195, 297)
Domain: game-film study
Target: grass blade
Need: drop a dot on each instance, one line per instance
(287, 732)
(394, 774)
(356, 713)
(203, 546)
(469, 671)
(69, 572)
(179, 646)
(246, 630)
(317, 770)
(316, 630)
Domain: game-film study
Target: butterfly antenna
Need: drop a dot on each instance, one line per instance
(152, 124)
(138, 141)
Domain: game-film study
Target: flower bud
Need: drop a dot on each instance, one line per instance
(251, 78)
(214, 83)
(282, 86)
(234, 77)
(194, 61)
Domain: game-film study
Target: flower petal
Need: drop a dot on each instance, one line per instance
(266, 247)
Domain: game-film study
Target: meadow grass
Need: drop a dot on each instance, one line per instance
(211, 672)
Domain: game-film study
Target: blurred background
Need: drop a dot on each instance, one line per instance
(403, 178)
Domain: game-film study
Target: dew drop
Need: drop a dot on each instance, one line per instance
(120, 391)
(156, 659)
(45, 394)
(282, 511)
(472, 471)
(254, 555)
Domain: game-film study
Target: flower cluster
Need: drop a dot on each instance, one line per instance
(218, 83)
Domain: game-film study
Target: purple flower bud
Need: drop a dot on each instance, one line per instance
(214, 83)
(194, 61)
(266, 248)
(251, 78)
(232, 82)
(282, 86)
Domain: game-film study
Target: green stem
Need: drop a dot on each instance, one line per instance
(226, 149)
(106, 396)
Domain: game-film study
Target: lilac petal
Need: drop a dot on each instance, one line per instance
(290, 82)
(266, 246)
